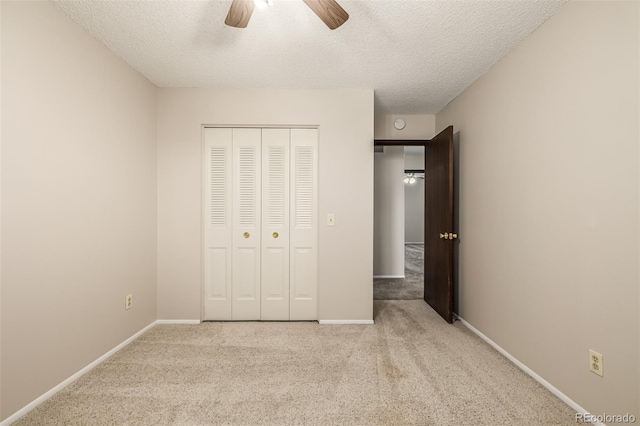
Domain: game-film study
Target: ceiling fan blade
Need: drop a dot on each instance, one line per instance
(329, 11)
(240, 13)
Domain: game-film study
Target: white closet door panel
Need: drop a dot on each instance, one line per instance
(275, 284)
(246, 224)
(217, 259)
(217, 224)
(246, 288)
(303, 266)
(275, 224)
(304, 225)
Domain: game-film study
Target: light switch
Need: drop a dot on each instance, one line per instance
(331, 219)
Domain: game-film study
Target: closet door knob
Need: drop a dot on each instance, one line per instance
(246, 235)
(275, 235)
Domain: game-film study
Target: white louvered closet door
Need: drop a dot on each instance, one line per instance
(246, 224)
(260, 224)
(304, 225)
(275, 225)
(217, 223)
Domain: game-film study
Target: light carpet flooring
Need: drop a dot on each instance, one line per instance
(411, 287)
(410, 368)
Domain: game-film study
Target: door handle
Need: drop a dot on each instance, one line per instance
(246, 235)
(449, 236)
(275, 235)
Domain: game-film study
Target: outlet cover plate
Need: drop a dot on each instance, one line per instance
(596, 363)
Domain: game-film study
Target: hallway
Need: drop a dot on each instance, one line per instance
(411, 287)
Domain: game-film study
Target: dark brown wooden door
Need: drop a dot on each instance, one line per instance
(438, 219)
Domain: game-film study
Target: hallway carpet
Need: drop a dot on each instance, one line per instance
(410, 368)
(411, 287)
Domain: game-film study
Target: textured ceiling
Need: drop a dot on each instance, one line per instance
(416, 55)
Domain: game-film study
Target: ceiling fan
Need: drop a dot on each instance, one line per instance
(331, 13)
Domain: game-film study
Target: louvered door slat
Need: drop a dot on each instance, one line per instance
(247, 181)
(218, 186)
(304, 157)
(276, 165)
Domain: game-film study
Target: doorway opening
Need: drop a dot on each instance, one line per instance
(399, 223)
(438, 219)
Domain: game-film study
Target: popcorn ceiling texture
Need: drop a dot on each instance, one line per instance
(416, 55)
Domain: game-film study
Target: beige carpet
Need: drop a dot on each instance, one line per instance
(411, 287)
(410, 368)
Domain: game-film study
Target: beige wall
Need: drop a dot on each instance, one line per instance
(0, 216)
(345, 120)
(418, 126)
(414, 196)
(414, 212)
(78, 200)
(414, 157)
(549, 185)
(388, 223)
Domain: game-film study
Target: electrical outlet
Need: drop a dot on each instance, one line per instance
(595, 363)
(128, 303)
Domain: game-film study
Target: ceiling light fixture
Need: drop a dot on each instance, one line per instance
(412, 177)
(261, 4)
(329, 11)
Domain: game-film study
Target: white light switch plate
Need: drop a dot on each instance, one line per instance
(331, 219)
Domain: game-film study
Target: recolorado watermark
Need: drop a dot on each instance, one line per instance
(605, 418)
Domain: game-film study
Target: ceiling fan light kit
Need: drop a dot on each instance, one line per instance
(261, 4)
(329, 11)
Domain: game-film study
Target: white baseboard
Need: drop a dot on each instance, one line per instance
(570, 402)
(419, 243)
(42, 398)
(330, 322)
(183, 321)
(389, 276)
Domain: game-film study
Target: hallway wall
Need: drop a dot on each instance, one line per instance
(414, 198)
(388, 223)
(391, 220)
